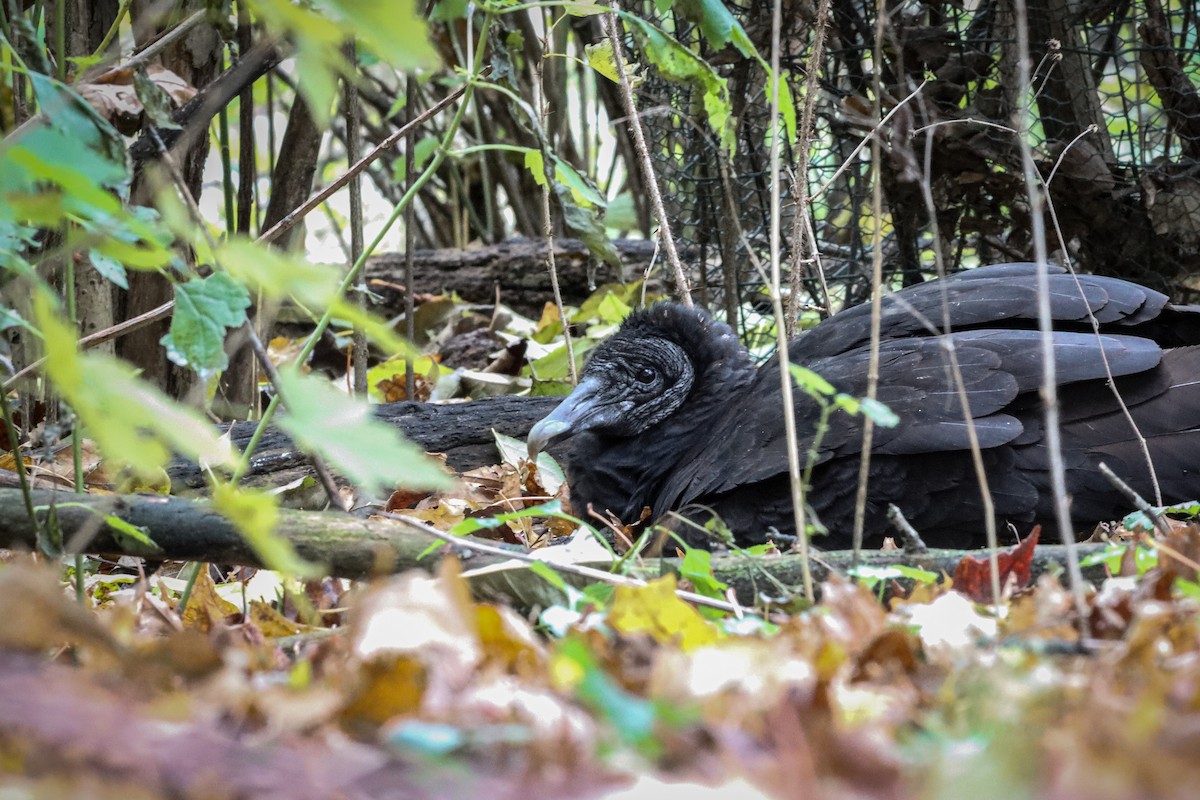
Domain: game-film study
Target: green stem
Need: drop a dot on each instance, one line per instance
(113, 29)
(76, 432)
(356, 268)
(60, 37)
(195, 568)
(22, 477)
(226, 164)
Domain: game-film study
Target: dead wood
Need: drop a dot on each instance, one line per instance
(517, 268)
(353, 547)
(460, 431)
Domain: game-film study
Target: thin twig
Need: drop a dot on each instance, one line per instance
(359, 347)
(872, 136)
(1136, 499)
(795, 481)
(960, 388)
(1143, 444)
(682, 286)
(1058, 478)
(542, 110)
(157, 46)
(410, 235)
(914, 545)
(308, 205)
(802, 224)
(868, 430)
(591, 573)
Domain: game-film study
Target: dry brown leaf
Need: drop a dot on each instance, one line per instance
(115, 97)
(206, 610)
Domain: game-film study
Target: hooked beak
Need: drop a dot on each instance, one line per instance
(571, 416)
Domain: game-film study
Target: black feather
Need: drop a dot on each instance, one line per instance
(707, 434)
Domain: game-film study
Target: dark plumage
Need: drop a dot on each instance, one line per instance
(671, 413)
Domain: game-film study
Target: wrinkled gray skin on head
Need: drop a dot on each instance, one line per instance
(624, 390)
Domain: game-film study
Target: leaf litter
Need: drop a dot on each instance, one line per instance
(409, 687)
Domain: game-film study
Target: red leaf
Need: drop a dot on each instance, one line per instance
(973, 578)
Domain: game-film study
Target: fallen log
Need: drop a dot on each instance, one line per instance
(352, 547)
(460, 431)
(517, 268)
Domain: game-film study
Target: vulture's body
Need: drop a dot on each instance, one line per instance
(671, 414)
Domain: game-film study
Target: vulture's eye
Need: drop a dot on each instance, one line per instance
(645, 375)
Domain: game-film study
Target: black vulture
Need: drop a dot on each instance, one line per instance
(671, 413)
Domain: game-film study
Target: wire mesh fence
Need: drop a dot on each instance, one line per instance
(1113, 115)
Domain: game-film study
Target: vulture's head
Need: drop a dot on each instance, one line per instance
(645, 373)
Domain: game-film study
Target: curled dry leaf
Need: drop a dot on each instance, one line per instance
(973, 575)
(115, 99)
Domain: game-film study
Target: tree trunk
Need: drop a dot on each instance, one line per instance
(95, 307)
(197, 59)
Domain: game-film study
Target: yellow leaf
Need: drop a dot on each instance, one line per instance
(273, 624)
(655, 609)
(206, 609)
(387, 687)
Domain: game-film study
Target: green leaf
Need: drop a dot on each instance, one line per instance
(255, 514)
(11, 319)
(1111, 555)
(277, 275)
(613, 309)
(110, 268)
(368, 452)
(582, 188)
(622, 214)
(916, 573)
(547, 573)
(280, 276)
(553, 365)
(719, 26)
(787, 106)
(133, 423)
(551, 508)
(97, 150)
(809, 381)
(697, 568)
(127, 534)
(600, 58)
(422, 152)
(154, 100)
(851, 405)
(879, 413)
(872, 576)
(536, 164)
(448, 10)
(1187, 588)
(586, 223)
(679, 64)
(204, 309)
(1140, 521)
(394, 32)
